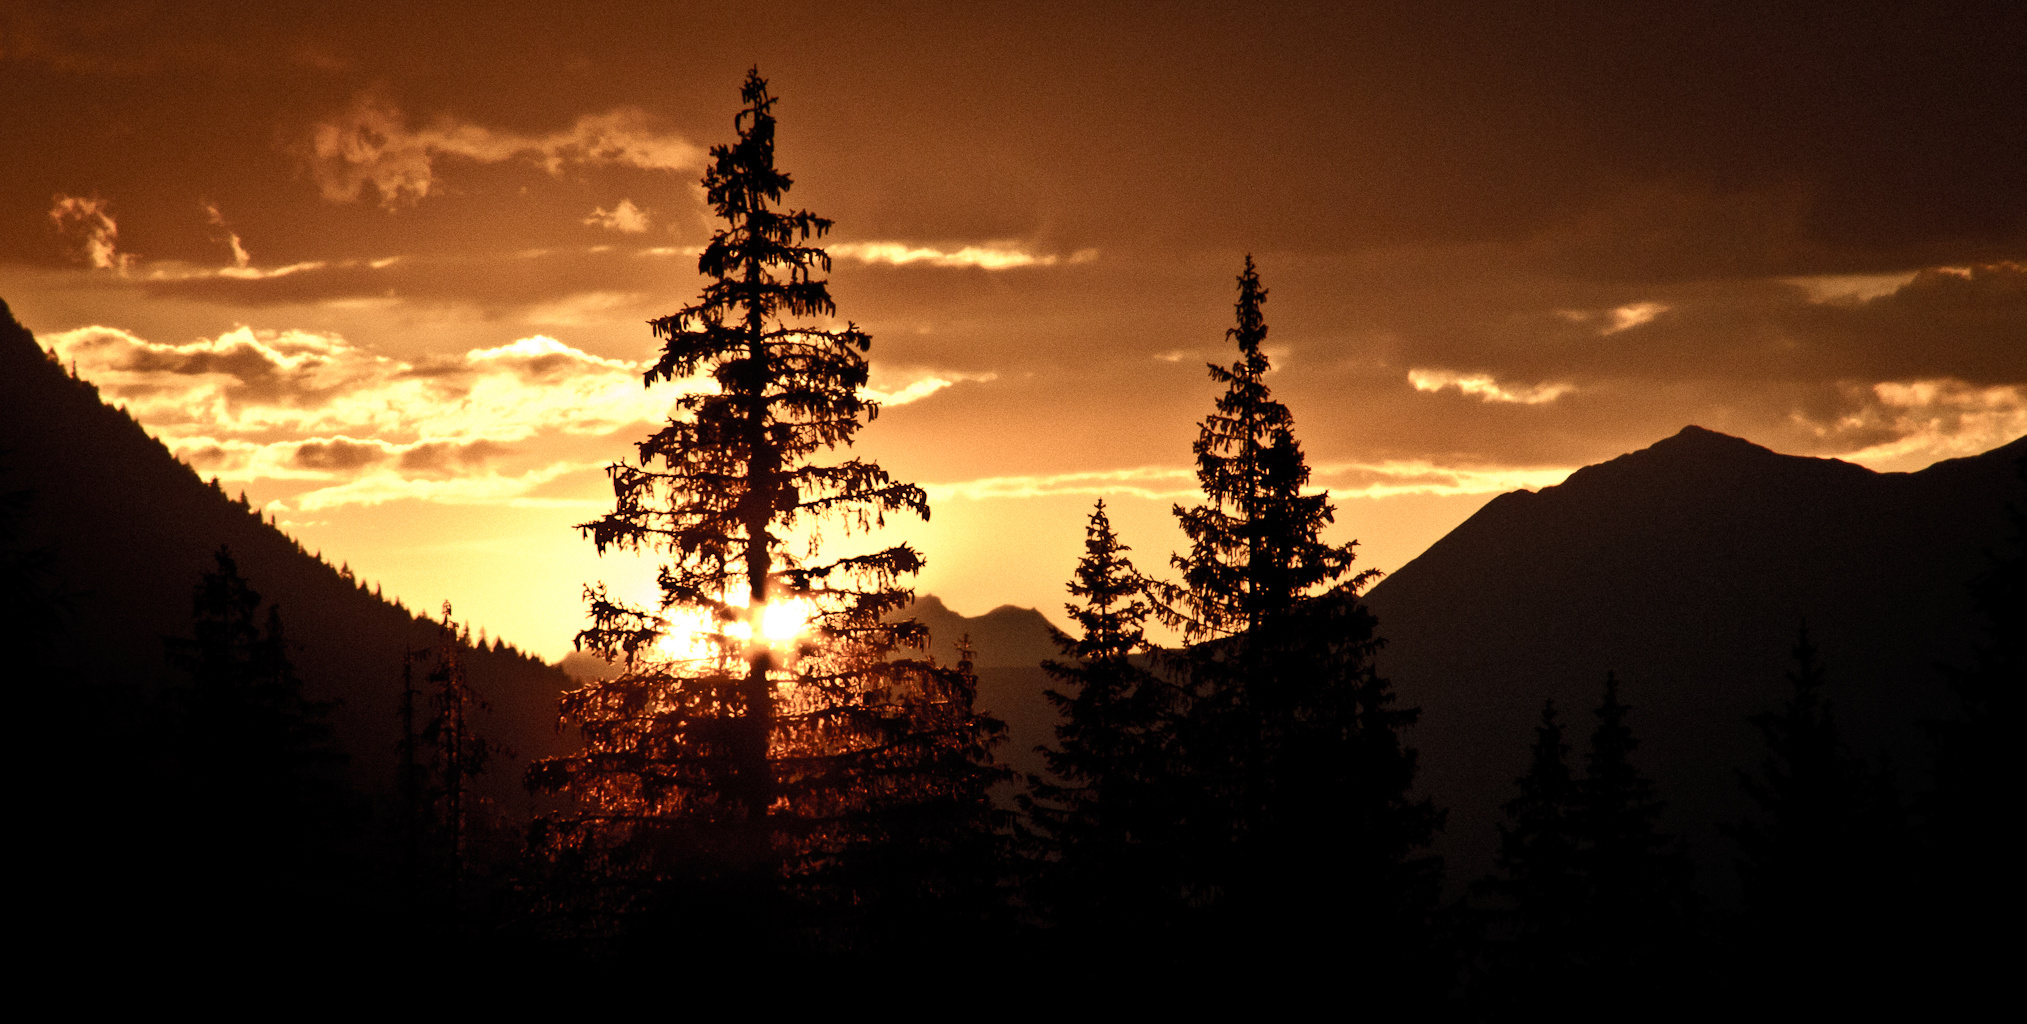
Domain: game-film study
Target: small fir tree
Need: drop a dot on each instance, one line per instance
(441, 760)
(243, 721)
(1537, 894)
(749, 769)
(1589, 903)
(1291, 738)
(1102, 819)
(1637, 907)
(260, 812)
(1823, 858)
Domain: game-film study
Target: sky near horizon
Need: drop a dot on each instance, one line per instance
(386, 267)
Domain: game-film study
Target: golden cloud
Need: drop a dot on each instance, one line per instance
(249, 383)
(985, 257)
(1485, 387)
(1930, 420)
(370, 142)
(624, 217)
(91, 223)
(355, 427)
(1340, 480)
(921, 387)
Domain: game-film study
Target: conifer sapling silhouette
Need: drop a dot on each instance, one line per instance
(1102, 817)
(1823, 857)
(1291, 737)
(261, 804)
(441, 760)
(1637, 877)
(1538, 890)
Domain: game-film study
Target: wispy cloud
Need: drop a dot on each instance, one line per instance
(240, 257)
(339, 457)
(1398, 477)
(1486, 388)
(1341, 480)
(1619, 318)
(492, 488)
(921, 387)
(1632, 315)
(986, 257)
(91, 223)
(1153, 482)
(1850, 288)
(624, 217)
(370, 142)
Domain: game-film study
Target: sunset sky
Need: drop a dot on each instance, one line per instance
(386, 267)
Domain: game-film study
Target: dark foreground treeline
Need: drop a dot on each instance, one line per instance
(1235, 814)
(1238, 814)
(211, 813)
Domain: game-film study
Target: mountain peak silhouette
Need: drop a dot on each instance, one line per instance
(1686, 567)
(1710, 459)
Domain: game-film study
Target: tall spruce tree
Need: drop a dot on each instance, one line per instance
(767, 784)
(1292, 740)
(1103, 818)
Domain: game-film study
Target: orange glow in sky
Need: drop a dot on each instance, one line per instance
(391, 278)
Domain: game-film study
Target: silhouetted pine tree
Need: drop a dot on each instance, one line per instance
(732, 788)
(1589, 908)
(253, 792)
(1538, 895)
(1824, 859)
(1635, 917)
(451, 829)
(1291, 738)
(1105, 818)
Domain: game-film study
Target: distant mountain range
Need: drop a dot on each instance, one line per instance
(131, 529)
(1008, 646)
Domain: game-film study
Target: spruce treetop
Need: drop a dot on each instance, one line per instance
(722, 486)
(1114, 614)
(1256, 541)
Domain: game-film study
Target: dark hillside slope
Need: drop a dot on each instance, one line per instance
(132, 528)
(1687, 567)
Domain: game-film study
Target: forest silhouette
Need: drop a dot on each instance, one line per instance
(1557, 763)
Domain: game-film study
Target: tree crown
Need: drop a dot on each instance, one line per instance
(1256, 541)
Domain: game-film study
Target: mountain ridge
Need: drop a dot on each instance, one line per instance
(1687, 568)
(131, 528)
